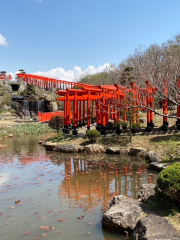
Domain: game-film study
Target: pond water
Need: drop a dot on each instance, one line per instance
(52, 195)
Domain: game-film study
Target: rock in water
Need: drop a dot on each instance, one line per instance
(113, 150)
(123, 215)
(152, 157)
(141, 152)
(66, 148)
(154, 227)
(146, 192)
(95, 148)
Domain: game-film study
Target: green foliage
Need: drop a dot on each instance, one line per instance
(28, 128)
(29, 90)
(3, 72)
(22, 71)
(56, 122)
(169, 181)
(117, 123)
(7, 99)
(120, 123)
(93, 134)
(136, 125)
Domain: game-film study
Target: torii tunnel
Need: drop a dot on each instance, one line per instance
(85, 104)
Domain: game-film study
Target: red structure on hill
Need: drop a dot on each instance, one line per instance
(90, 103)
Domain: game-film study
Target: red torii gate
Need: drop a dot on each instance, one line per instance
(5, 77)
(106, 100)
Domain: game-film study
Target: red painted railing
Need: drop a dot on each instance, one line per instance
(46, 116)
(5, 77)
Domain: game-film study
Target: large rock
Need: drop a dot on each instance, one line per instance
(49, 146)
(52, 107)
(6, 107)
(147, 192)
(151, 157)
(95, 148)
(66, 148)
(113, 150)
(141, 152)
(123, 215)
(142, 120)
(157, 166)
(81, 149)
(154, 227)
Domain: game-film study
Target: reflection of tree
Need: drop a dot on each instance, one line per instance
(93, 183)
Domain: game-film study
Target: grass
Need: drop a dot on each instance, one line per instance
(28, 128)
(170, 144)
(114, 140)
(171, 213)
(61, 138)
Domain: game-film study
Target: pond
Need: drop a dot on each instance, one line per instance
(53, 195)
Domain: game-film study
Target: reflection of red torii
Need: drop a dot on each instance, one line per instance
(77, 177)
(34, 158)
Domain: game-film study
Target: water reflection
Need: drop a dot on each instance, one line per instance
(62, 186)
(96, 183)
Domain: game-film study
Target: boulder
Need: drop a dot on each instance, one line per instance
(6, 107)
(66, 148)
(151, 156)
(47, 98)
(113, 150)
(154, 227)
(141, 152)
(49, 145)
(142, 120)
(52, 107)
(157, 166)
(123, 151)
(81, 149)
(22, 87)
(122, 216)
(172, 108)
(95, 148)
(147, 192)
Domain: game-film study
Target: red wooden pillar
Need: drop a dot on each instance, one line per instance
(83, 123)
(75, 117)
(65, 113)
(103, 118)
(88, 111)
(178, 103)
(112, 115)
(107, 113)
(93, 119)
(115, 114)
(80, 123)
(77, 114)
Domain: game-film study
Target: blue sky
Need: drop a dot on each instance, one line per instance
(44, 35)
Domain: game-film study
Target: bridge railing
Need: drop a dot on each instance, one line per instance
(46, 116)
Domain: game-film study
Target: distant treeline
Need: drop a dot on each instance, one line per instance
(153, 63)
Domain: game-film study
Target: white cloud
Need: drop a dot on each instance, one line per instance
(72, 75)
(3, 41)
(69, 75)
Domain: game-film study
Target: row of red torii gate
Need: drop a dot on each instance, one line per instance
(85, 103)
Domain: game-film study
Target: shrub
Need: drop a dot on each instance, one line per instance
(136, 125)
(117, 124)
(56, 122)
(93, 134)
(169, 181)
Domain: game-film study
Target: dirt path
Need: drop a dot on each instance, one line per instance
(7, 123)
